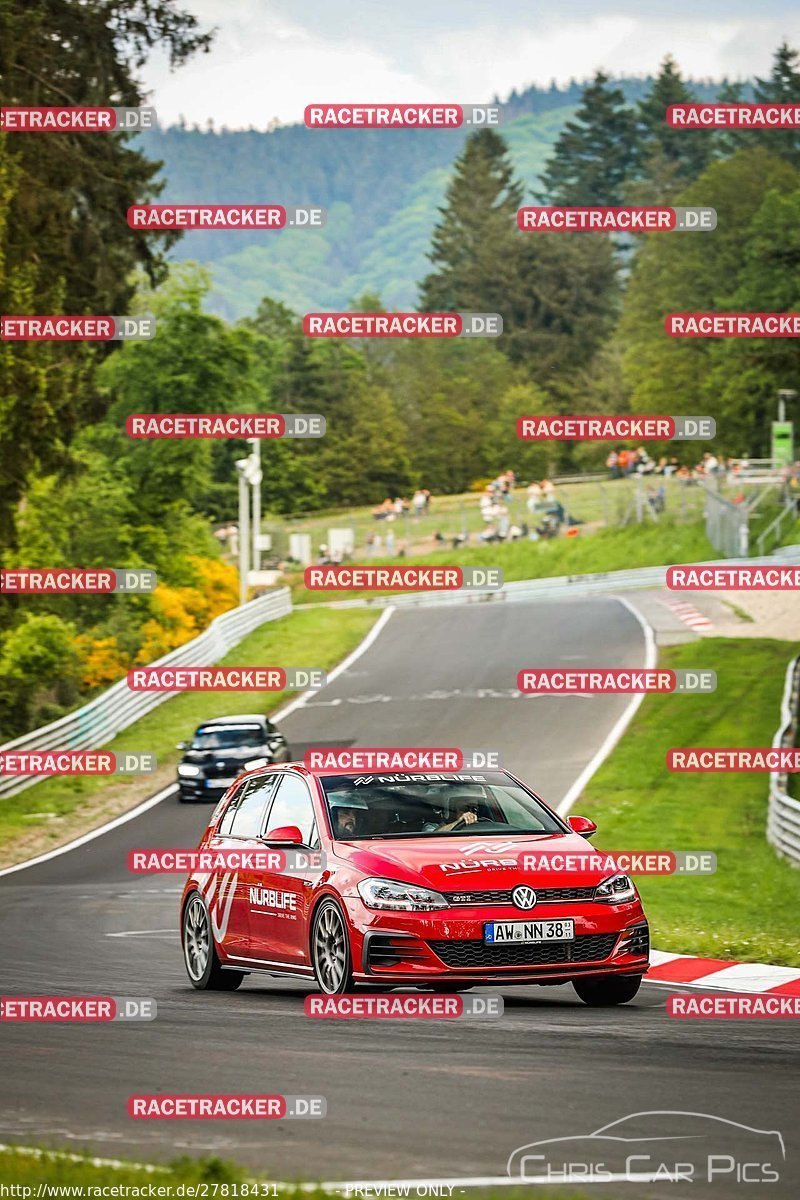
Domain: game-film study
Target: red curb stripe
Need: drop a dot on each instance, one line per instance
(684, 970)
(792, 988)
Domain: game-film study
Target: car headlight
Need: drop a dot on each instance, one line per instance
(399, 897)
(255, 763)
(617, 889)
(188, 770)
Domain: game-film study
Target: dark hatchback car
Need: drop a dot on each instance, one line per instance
(225, 748)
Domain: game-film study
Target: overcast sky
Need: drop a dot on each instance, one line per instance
(272, 57)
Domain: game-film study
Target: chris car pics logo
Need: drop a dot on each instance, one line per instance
(657, 1146)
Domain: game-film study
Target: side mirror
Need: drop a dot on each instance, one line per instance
(582, 825)
(284, 835)
(181, 746)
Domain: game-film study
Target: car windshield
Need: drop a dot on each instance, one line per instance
(227, 737)
(397, 806)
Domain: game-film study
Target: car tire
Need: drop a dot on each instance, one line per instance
(182, 799)
(330, 949)
(200, 957)
(607, 990)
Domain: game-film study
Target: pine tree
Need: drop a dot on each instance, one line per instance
(782, 87)
(687, 152)
(476, 229)
(595, 152)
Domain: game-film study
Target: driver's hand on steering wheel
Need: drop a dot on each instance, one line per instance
(467, 818)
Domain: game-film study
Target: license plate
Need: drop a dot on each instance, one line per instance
(529, 931)
(220, 783)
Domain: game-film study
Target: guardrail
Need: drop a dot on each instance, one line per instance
(783, 816)
(552, 588)
(115, 709)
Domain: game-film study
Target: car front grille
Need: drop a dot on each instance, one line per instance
(389, 950)
(503, 896)
(639, 941)
(593, 947)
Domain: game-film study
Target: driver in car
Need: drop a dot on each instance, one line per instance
(347, 821)
(464, 808)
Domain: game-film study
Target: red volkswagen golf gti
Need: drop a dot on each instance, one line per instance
(417, 880)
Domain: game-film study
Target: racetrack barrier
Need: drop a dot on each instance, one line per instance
(783, 814)
(553, 588)
(118, 707)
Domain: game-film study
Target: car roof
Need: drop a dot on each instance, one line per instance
(237, 720)
(319, 772)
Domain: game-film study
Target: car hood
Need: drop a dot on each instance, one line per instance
(234, 756)
(489, 863)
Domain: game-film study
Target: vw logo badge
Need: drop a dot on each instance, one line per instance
(523, 897)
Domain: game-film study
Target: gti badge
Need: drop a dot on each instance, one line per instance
(523, 897)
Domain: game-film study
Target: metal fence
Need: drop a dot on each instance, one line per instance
(783, 817)
(727, 524)
(115, 709)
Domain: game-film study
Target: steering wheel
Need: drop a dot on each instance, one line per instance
(460, 821)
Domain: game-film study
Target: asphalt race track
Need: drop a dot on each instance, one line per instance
(406, 1100)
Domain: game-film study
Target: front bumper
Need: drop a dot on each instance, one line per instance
(195, 789)
(445, 947)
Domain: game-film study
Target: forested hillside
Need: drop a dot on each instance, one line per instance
(381, 188)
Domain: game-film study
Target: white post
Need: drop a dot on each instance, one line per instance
(256, 480)
(244, 529)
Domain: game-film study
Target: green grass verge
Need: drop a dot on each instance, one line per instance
(606, 550)
(313, 638)
(26, 1170)
(748, 909)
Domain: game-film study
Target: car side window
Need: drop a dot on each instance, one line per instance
(292, 806)
(248, 815)
(224, 827)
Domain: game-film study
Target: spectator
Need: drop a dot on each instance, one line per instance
(419, 503)
(612, 462)
(623, 461)
(534, 496)
(548, 491)
(486, 503)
